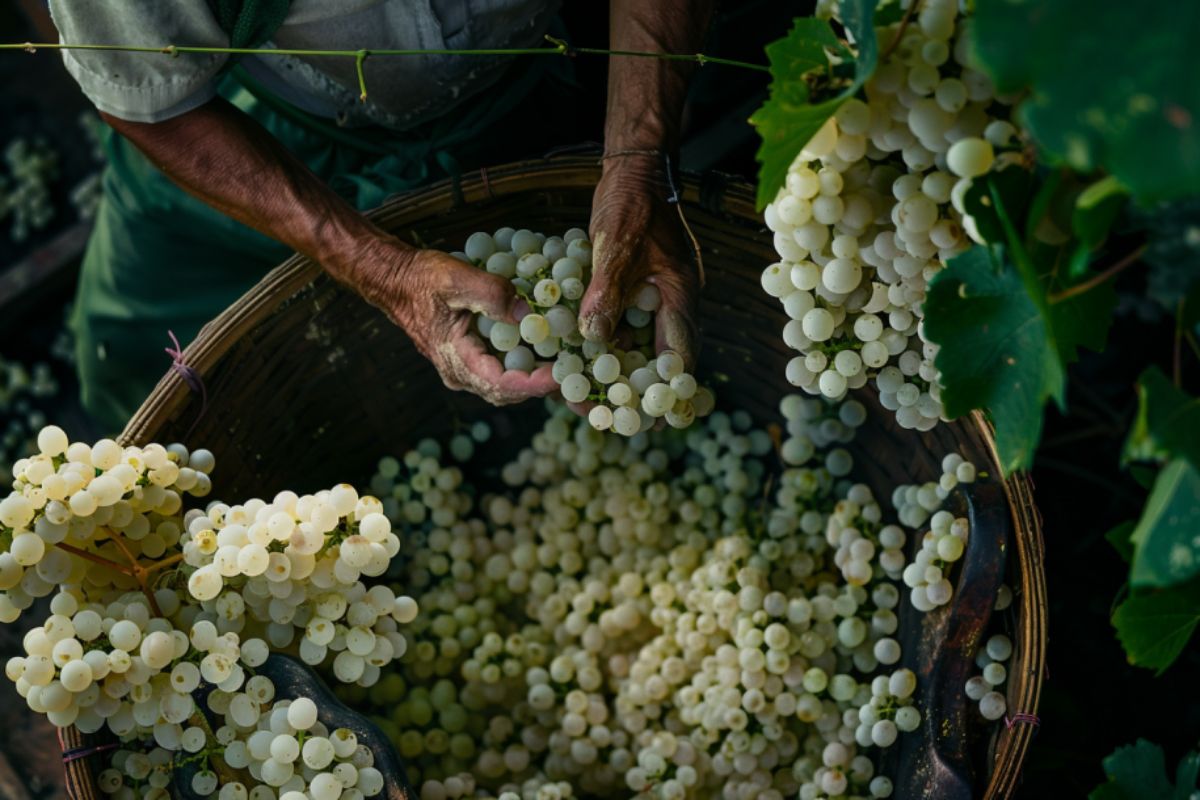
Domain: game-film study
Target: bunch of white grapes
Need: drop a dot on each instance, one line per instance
(282, 745)
(628, 385)
(928, 574)
(667, 615)
(25, 189)
(872, 208)
(154, 607)
(295, 565)
(985, 688)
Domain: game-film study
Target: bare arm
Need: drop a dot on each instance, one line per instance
(229, 161)
(636, 233)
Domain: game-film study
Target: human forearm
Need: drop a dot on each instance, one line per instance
(226, 159)
(635, 231)
(230, 162)
(646, 95)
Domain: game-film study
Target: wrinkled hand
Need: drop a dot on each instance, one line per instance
(433, 297)
(637, 238)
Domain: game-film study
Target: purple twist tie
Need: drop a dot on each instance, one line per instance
(1022, 716)
(190, 376)
(84, 752)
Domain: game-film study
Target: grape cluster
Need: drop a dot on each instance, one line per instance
(628, 386)
(855, 532)
(667, 615)
(985, 688)
(942, 545)
(286, 751)
(296, 565)
(872, 208)
(155, 607)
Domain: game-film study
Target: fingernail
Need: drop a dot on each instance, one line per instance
(520, 309)
(598, 327)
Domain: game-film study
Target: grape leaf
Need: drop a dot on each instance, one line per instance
(1001, 205)
(995, 350)
(1139, 772)
(1154, 626)
(1015, 187)
(1081, 320)
(1187, 774)
(1166, 541)
(1167, 423)
(789, 118)
(1120, 95)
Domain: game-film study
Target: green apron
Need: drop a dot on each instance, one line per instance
(159, 259)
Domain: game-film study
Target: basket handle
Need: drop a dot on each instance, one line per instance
(940, 648)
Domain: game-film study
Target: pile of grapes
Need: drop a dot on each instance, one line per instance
(668, 615)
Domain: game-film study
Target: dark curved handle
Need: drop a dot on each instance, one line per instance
(940, 647)
(293, 679)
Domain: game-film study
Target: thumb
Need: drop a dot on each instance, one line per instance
(602, 304)
(484, 293)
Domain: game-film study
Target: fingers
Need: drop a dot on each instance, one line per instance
(675, 330)
(582, 409)
(604, 301)
(470, 289)
(465, 362)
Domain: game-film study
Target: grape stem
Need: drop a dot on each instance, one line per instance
(139, 572)
(89, 556)
(907, 18)
(1094, 281)
(558, 47)
(134, 570)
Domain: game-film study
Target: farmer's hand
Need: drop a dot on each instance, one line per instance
(637, 238)
(434, 297)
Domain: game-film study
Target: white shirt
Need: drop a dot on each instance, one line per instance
(403, 91)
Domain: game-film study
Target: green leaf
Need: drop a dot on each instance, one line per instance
(995, 349)
(888, 13)
(1167, 423)
(1096, 209)
(789, 118)
(1015, 187)
(1186, 775)
(1154, 626)
(1139, 772)
(1000, 205)
(1118, 94)
(1167, 537)
(1118, 537)
(1083, 320)
(1136, 771)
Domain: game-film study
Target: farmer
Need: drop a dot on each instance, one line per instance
(219, 168)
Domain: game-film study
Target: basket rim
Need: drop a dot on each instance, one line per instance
(730, 195)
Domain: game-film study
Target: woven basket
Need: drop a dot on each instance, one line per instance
(307, 385)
